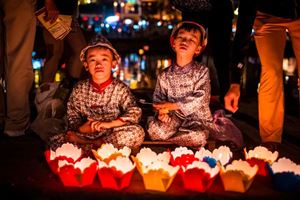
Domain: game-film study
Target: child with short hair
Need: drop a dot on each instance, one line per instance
(102, 109)
(182, 93)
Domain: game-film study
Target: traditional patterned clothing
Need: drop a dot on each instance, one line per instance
(189, 87)
(216, 16)
(110, 101)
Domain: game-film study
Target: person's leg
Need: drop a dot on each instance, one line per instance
(2, 69)
(76, 41)
(131, 136)
(294, 31)
(270, 39)
(190, 138)
(54, 50)
(20, 26)
(161, 131)
(75, 138)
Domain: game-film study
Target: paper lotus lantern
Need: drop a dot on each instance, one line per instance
(117, 174)
(222, 154)
(79, 174)
(182, 157)
(260, 156)
(285, 174)
(199, 176)
(67, 152)
(238, 176)
(108, 152)
(157, 174)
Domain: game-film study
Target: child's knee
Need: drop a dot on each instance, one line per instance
(200, 139)
(139, 136)
(157, 135)
(135, 139)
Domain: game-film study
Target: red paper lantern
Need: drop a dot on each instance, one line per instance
(199, 176)
(67, 152)
(260, 156)
(78, 176)
(262, 166)
(116, 174)
(197, 180)
(110, 178)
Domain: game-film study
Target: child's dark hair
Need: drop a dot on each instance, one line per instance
(191, 27)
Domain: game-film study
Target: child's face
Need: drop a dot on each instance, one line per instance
(187, 43)
(99, 62)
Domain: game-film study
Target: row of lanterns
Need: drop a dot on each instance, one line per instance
(198, 170)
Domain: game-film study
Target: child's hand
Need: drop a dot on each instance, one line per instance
(86, 127)
(164, 117)
(98, 126)
(167, 106)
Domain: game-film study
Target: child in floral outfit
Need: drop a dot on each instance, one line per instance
(182, 93)
(102, 109)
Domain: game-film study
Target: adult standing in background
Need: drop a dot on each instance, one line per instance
(55, 47)
(271, 19)
(19, 34)
(216, 16)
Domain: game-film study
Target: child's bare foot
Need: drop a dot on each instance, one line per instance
(72, 137)
(98, 142)
(135, 150)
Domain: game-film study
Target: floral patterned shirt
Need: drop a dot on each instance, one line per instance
(189, 87)
(108, 102)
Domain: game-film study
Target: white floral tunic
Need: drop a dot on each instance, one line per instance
(109, 101)
(189, 86)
